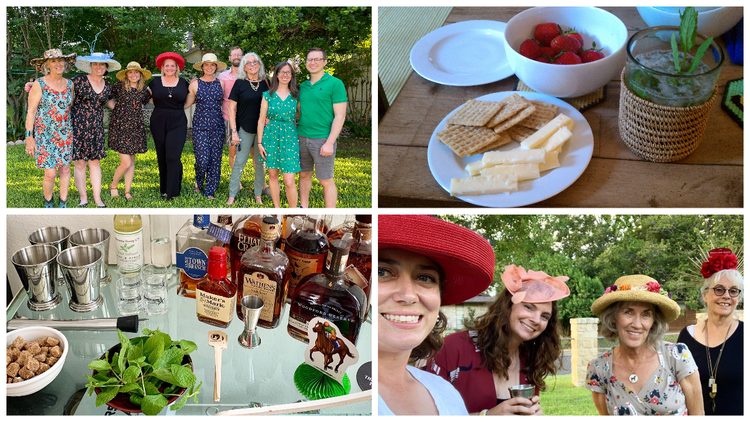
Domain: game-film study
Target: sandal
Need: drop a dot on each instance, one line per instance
(258, 200)
(116, 194)
(230, 201)
(128, 196)
(82, 204)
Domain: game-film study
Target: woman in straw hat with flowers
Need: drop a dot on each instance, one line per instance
(423, 263)
(48, 128)
(92, 94)
(208, 124)
(516, 342)
(642, 375)
(717, 343)
(127, 131)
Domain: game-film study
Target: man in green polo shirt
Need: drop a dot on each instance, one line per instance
(322, 100)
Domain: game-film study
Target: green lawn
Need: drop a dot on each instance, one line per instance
(563, 399)
(353, 176)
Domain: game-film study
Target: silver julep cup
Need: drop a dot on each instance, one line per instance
(98, 238)
(37, 267)
(522, 390)
(56, 236)
(81, 269)
(251, 307)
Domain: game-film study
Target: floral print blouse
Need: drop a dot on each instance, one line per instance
(662, 393)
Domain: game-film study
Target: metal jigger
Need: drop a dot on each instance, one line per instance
(251, 307)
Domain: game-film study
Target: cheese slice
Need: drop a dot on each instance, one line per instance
(551, 161)
(474, 168)
(482, 185)
(514, 156)
(555, 141)
(523, 171)
(547, 130)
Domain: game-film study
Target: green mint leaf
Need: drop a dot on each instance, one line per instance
(116, 363)
(153, 343)
(125, 346)
(130, 387)
(168, 357)
(179, 404)
(131, 374)
(106, 395)
(688, 28)
(136, 399)
(183, 375)
(675, 53)
(100, 365)
(699, 54)
(134, 352)
(151, 388)
(141, 361)
(165, 375)
(153, 404)
(148, 332)
(165, 338)
(188, 346)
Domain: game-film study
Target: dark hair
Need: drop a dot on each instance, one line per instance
(293, 88)
(325, 56)
(540, 355)
(434, 341)
(234, 47)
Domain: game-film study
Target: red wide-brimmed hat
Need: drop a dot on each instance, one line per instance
(169, 55)
(467, 258)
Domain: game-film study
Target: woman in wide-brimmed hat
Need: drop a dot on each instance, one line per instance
(717, 343)
(127, 131)
(208, 124)
(48, 128)
(514, 342)
(423, 263)
(169, 93)
(92, 94)
(642, 375)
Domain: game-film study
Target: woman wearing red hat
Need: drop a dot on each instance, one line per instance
(168, 121)
(515, 343)
(424, 262)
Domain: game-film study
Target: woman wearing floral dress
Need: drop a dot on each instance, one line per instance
(127, 131)
(278, 142)
(48, 132)
(92, 92)
(208, 124)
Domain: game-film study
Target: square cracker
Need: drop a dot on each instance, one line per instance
(466, 140)
(512, 104)
(526, 112)
(475, 113)
(504, 139)
(543, 114)
(519, 133)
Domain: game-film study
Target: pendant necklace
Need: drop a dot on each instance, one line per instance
(254, 87)
(633, 378)
(170, 88)
(713, 369)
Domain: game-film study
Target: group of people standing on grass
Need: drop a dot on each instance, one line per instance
(242, 107)
(516, 342)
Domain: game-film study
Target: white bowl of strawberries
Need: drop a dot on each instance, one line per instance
(587, 43)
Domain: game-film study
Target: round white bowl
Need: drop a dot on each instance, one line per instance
(712, 21)
(566, 81)
(30, 386)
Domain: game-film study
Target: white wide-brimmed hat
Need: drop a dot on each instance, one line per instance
(84, 62)
(210, 58)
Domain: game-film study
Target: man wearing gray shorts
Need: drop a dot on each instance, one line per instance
(322, 100)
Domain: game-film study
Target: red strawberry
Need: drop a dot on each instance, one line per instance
(545, 32)
(573, 33)
(548, 52)
(568, 57)
(591, 56)
(543, 59)
(565, 43)
(530, 49)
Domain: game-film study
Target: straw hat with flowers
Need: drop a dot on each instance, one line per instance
(637, 288)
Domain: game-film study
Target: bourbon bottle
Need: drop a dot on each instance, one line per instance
(215, 295)
(246, 234)
(306, 248)
(192, 245)
(328, 295)
(359, 265)
(262, 271)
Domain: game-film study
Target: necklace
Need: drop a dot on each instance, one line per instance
(633, 378)
(713, 369)
(254, 87)
(170, 88)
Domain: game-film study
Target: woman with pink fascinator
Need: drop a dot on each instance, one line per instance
(516, 342)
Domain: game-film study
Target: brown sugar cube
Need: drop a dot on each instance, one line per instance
(41, 357)
(32, 365)
(51, 342)
(17, 379)
(18, 343)
(51, 360)
(10, 380)
(33, 348)
(55, 351)
(26, 374)
(43, 367)
(12, 355)
(12, 369)
(45, 349)
(23, 357)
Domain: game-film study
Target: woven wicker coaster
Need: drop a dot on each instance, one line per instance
(581, 103)
(732, 102)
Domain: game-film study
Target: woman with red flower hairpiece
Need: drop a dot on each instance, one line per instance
(717, 342)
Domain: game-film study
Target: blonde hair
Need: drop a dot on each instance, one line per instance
(140, 85)
(176, 71)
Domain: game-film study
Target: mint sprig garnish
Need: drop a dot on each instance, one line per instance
(688, 33)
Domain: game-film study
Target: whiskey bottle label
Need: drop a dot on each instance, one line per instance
(220, 233)
(245, 242)
(352, 275)
(301, 265)
(299, 322)
(258, 284)
(214, 306)
(194, 262)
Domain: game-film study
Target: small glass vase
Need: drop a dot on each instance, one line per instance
(650, 70)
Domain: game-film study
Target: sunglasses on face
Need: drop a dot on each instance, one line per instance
(719, 291)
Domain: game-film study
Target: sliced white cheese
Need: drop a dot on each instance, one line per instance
(551, 161)
(514, 156)
(547, 130)
(523, 171)
(482, 185)
(555, 141)
(474, 168)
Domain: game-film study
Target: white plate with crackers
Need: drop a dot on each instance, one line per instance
(449, 55)
(513, 123)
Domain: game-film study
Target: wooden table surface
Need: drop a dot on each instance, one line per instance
(712, 176)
